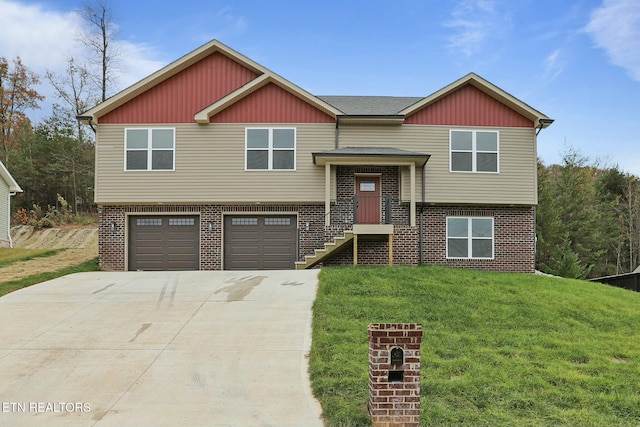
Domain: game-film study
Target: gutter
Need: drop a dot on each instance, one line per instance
(87, 120)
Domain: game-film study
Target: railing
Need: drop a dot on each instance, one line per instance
(630, 281)
(366, 209)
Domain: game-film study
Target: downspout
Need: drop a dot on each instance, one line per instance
(421, 227)
(9, 219)
(337, 142)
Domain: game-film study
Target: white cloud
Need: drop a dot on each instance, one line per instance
(554, 64)
(46, 39)
(615, 27)
(473, 22)
(43, 39)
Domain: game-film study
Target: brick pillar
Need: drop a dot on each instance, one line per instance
(394, 374)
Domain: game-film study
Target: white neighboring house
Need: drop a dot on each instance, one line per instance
(8, 187)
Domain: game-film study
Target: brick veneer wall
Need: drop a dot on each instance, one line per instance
(111, 244)
(514, 240)
(514, 237)
(394, 403)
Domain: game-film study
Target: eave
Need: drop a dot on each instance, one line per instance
(538, 118)
(375, 120)
(204, 116)
(6, 176)
(165, 73)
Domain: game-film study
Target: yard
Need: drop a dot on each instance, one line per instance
(42, 255)
(498, 349)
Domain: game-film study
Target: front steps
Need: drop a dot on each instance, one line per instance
(329, 248)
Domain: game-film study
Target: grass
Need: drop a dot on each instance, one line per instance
(10, 256)
(498, 349)
(6, 287)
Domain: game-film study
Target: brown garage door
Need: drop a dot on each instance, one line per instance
(164, 242)
(259, 242)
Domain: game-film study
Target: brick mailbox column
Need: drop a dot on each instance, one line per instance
(394, 374)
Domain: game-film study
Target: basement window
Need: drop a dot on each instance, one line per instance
(470, 238)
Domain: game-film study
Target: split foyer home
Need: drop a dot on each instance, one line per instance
(8, 187)
(215, 162)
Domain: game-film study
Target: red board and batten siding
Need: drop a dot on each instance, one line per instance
(468, 106)
(271, 104)
(179, 98)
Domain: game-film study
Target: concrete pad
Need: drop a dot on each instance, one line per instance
(159, 349)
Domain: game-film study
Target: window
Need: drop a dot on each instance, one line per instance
(148, 222)
(181, 221)
(469, 237)
(149, 149)
(270, 149)
(474, 151)
(277, 221)
(244, 221)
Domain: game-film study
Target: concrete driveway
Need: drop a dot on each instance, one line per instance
(159, 349)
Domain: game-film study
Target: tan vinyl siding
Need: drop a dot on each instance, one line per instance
(209, 167)
(4, 211)
(514, 185)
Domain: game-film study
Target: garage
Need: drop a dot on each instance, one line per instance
(164, 242)
(260, 242)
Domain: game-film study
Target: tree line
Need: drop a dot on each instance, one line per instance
(54, 159)
(587, 219)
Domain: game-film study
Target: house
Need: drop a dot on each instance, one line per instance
(8, 188)
(215, 162)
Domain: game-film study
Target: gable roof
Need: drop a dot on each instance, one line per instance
(346, 109)
(490, 89)
(6, 176)
(264, 76)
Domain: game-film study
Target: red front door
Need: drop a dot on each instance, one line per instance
(368, 195)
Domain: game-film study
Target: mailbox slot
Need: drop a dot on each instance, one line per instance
(396, 376)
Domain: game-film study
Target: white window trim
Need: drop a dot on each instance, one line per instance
(470, 238)
(270, 149)
(150, 150)
(474, 151)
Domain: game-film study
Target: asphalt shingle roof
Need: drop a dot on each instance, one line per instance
(370, 105)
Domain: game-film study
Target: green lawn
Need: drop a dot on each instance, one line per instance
(498, 349)
(10, 256)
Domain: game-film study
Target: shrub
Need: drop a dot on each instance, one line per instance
(46, 223)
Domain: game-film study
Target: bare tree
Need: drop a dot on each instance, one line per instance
(99, 39)
(74, 88)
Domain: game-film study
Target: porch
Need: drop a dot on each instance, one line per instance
(368, 192)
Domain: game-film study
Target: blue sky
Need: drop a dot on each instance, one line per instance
(577, 61)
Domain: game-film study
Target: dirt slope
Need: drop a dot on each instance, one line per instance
(82, 241)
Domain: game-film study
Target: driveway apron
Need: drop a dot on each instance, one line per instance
(159, 349)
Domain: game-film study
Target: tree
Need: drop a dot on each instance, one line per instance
(17, 95)
(100, 41)
(74, 89)
(572, 218)
(51, 161)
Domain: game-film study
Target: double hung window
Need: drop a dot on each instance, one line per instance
(474, 151)
(470, 237)
(150, 149)
(270, 149)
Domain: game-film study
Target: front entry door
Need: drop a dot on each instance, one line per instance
(368, 195)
